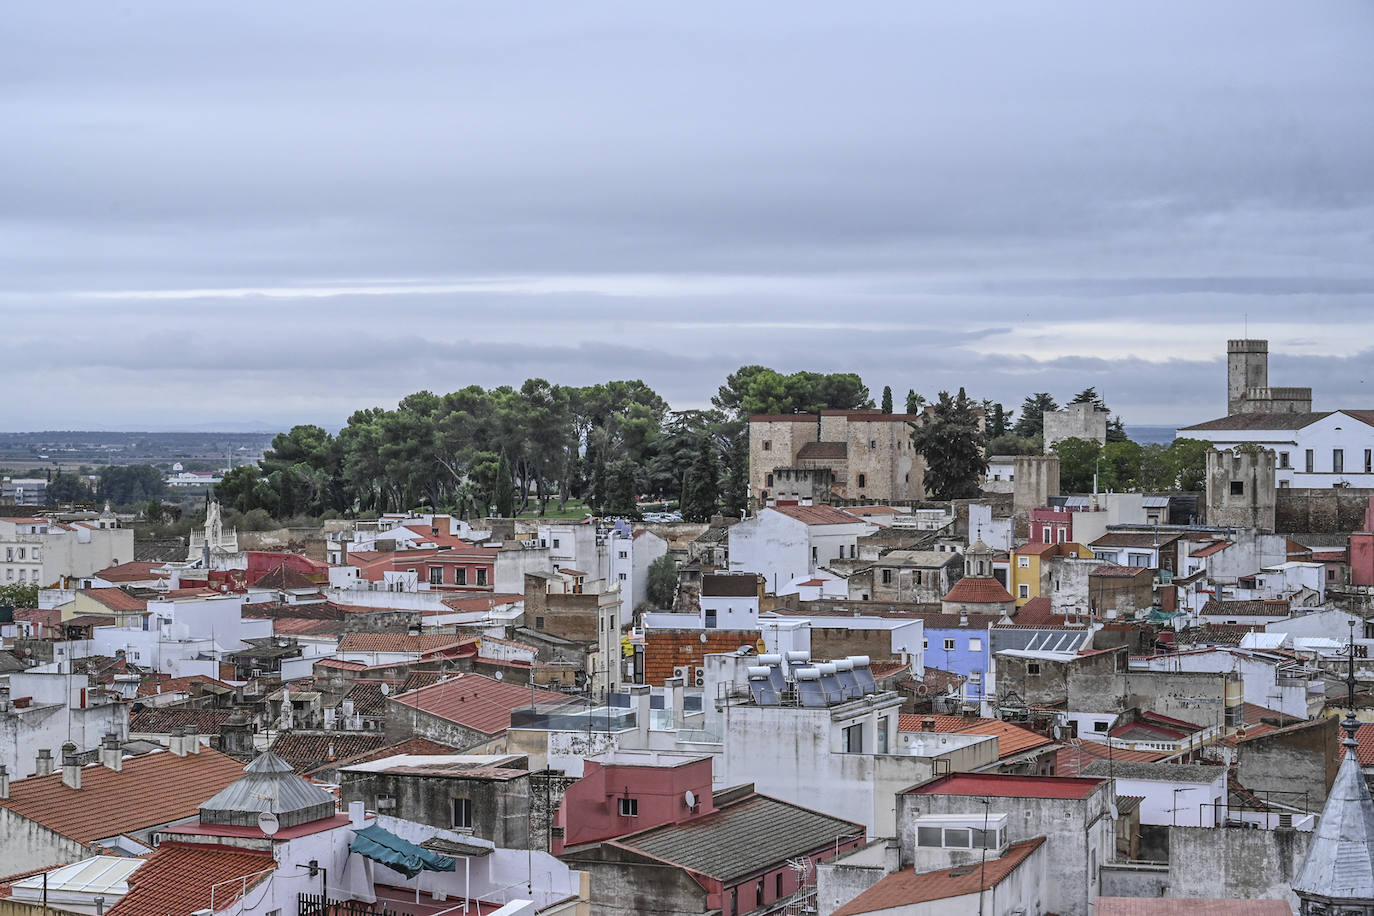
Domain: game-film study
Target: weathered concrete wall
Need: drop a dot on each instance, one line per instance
(1197, 697)
(631, 888)
(404, 722)
(840, 881)
(1077, 421)
(1037, 479)
(26, 845)
(500, 809)
(1312, 511)
(1134, 880)
(546, 794)
(837, 642)
(1228, 862)
(1299, 759)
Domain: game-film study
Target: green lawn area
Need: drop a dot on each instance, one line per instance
(575, 508)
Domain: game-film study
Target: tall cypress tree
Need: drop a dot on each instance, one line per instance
(887, 399)
(505, 490)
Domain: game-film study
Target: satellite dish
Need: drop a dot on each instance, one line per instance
(703, 639)
(268, 823)
(386, 689)
(690, 798)
(500, 675)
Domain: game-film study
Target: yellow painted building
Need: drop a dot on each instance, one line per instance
(1027, 566)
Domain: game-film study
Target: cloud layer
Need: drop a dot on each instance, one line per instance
(282, 215)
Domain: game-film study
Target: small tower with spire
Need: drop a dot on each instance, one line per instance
(1337, 876)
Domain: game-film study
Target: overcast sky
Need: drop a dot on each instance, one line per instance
(263, 214)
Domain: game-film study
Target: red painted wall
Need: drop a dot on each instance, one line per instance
(1362, 558)
(590, 810)
(1047, 517)
(262, 562)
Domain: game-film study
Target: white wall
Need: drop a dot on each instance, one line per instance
(1185, 804)
(772, 544)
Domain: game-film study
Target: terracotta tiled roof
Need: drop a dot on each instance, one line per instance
(306, 626)
(665, 650)
(1076, 754)
(1111, 571)
(1242, 421)
(872, 510)
(420, 746)
(823, 451)
(481, 703)
(481, 602)
(178, 878)
(817, 515)
(417, 679)
(908, 887)
(161, 721)
(308, 751)
(368, 699)
(283, 577)
(1011, 739)
(1261, 607)
(1037, 612)
(1252, 714)
(401, 642)
(1036, 548)
(115, 599)
(1214, 547)
(137, 571)
(152, 686)
(110, 803)
(978, 590)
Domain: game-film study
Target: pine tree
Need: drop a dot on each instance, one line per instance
(887, 399)
(1032, 422)
(701, 484)
(953, 447)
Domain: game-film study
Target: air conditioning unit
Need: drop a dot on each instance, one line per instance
(682, 671)
(700, 679)
(557, 833)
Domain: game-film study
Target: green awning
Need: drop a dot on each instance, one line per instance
(395, 853)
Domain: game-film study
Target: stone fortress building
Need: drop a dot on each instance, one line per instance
(836, 456)
(1076, 421)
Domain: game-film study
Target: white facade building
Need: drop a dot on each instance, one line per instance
(784, 542)
(1314, 450)
(41, 551)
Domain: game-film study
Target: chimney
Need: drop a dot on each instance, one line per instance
(71, 769)
(176, 743)
(43, 765)
(928, 724)
(356, 816)
(639, 696)
(4, 782)
(675, 685)
(192, 739)
(963, 617)
(111, 754)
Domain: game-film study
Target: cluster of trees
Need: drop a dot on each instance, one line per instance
(122, 486)
(1130, 466)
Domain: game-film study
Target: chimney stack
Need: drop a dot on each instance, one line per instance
(4, 782)
(176, 743)
(43, 765)
(111, 754)
(675, 685)
(356, 816)
(192, 739)
(640, 702)
(71, 768)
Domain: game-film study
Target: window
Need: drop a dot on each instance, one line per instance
(1237, 488)
(555, 543)
(21, 553)
(1100, 726)
(1023, 562)
(622, 577)
(863, 481)
(1308, 461)
(1045, 535)
(815, 554)
(852, 549)
(854, 739)
(1337, 467)
(460, 575)
(1032, 667)
(629, 807)
(1138, 559)
(949, 645)
(481, 576)
(539, 623)
(436, 575)
(9, 554)
(768, 480)
(882, 735)
(887, 577)
(778, 887)
(386, 802)
(767, 445)
(1366, 467)
(1283, 460)
(1060, 534)
(872, 443)
(1283, 485)
(710, 618)
(975, 644)
(1023, 591)
(462, 812)
(975, 678)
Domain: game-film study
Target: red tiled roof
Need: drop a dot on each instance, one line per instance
(137, 571)
(817, 515)
(307, 626)
(418, 746)
(1011, 739)
(1214, 547)
(1364, 751)
(907, 887)
(368, 699)
(115, 599)
(161, 721)
(978, 590)
(401, 642)
(1037, 612)
(89, 620)
(1262, 607)
(481, 602)
(1111, 571)
(1253, 714)
(872, 510)
(575, 573)
(1035, 548)
(152, 686)
(477, 702)
(308, 751)
(1000, 785)
(285, 578)
(1077, 753)
(178, 878)
(110, 803)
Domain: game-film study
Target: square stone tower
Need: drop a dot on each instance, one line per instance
(1247, 366)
